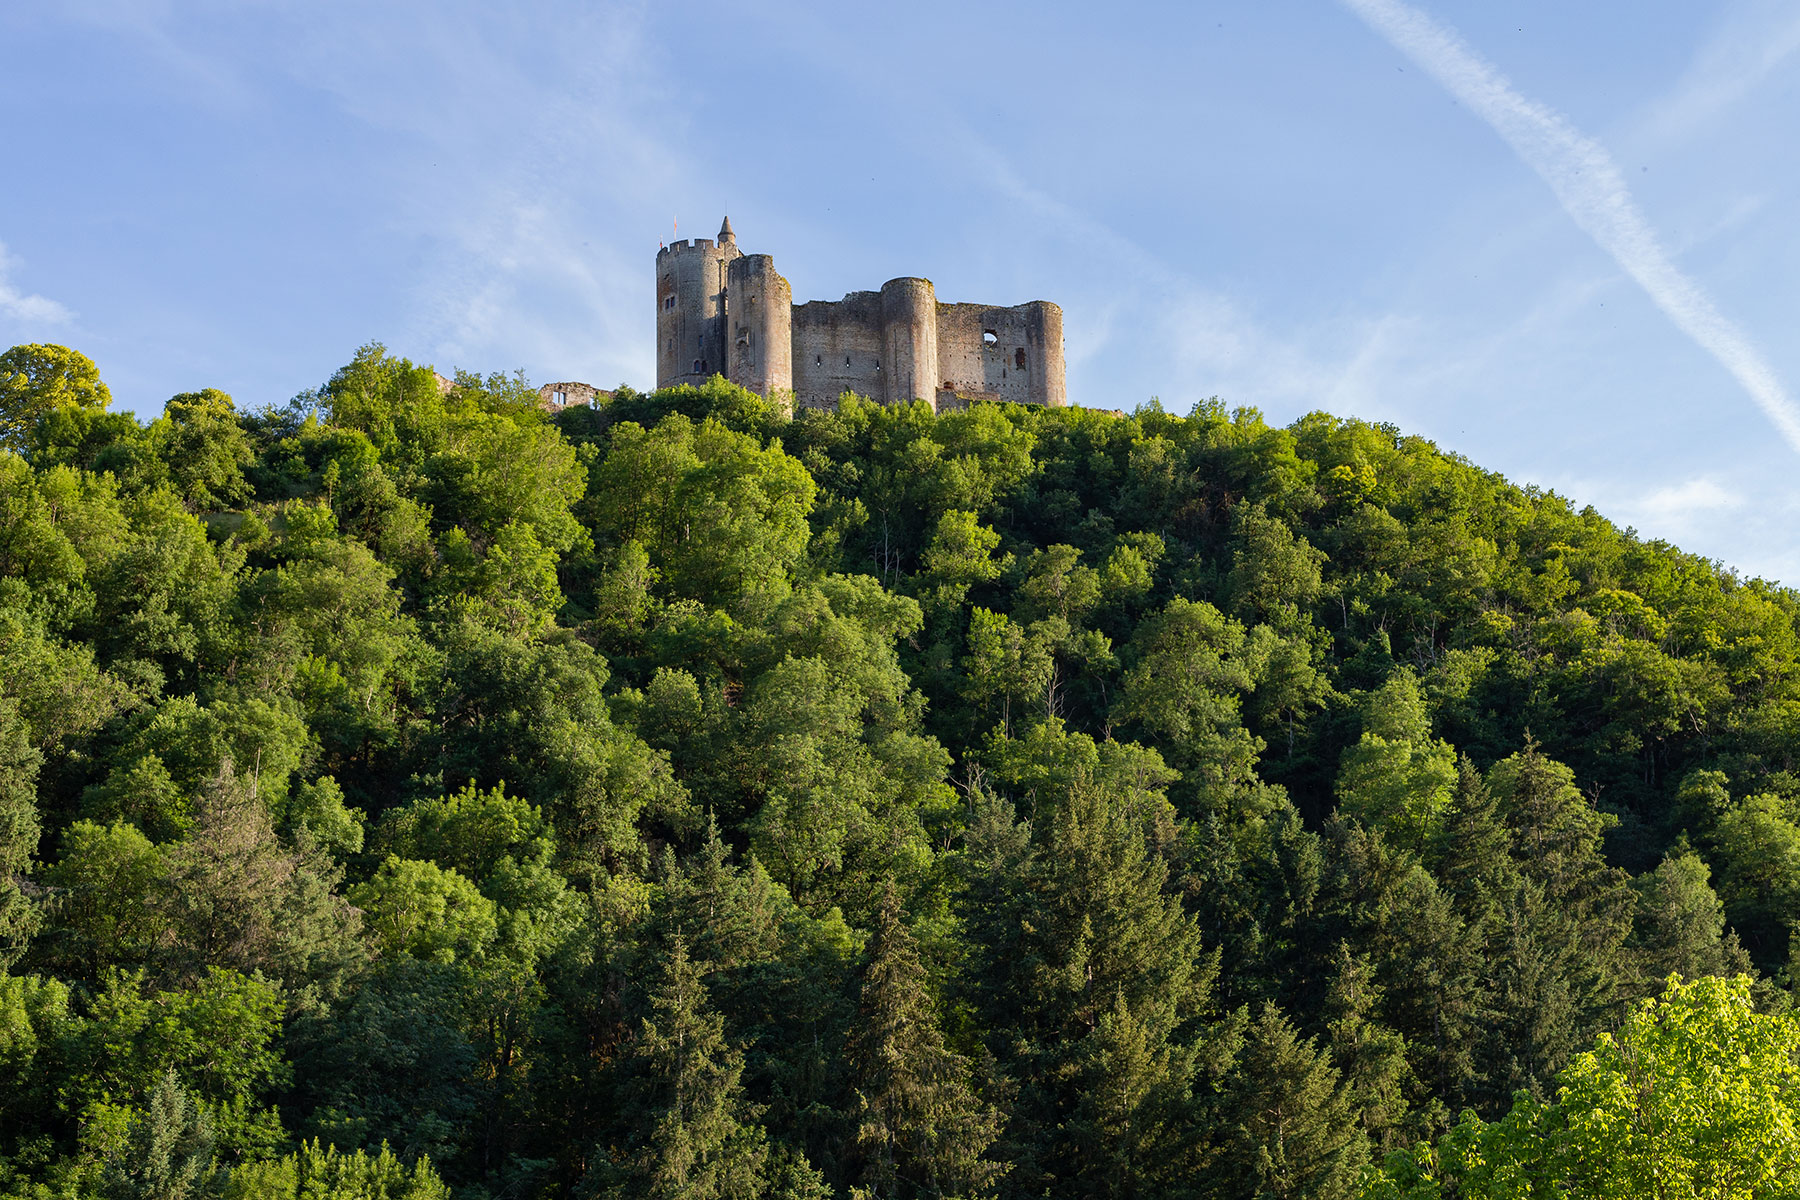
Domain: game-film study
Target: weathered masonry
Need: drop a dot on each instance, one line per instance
(720, 311)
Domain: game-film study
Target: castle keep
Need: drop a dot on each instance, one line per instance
(721, 311)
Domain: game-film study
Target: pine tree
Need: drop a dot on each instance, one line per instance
(1473, 856)
(704, 1142)
(1094, 987)
(167, 1153)
(1296, 1135)
(1377, 1077)
(922, 1129)
(780, 978)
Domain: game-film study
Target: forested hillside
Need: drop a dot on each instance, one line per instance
(407, 792)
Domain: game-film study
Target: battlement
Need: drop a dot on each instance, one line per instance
(684, 246)
(722, 312)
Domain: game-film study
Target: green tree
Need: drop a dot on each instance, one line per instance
(323, 1172)
(702, 1140)
(38, 379)
(1759, 879)
(1697, 1095)
(1680, 927)
(19, 830)
(1398, 777)
(1091, 987)
(166, 1153)
(1296, 1135)
(722, 517)
(205, 448)
(921, 1127)
(427, 911)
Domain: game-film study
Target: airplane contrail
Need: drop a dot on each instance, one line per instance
(1592, 191)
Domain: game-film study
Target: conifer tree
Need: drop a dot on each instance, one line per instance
(1296, 1135)
(1473, 856)
(704, 1143)
(1372, 1057)
(1094, 985)
(921, 1127)
(167, 1151)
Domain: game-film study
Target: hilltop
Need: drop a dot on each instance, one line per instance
(666, 796)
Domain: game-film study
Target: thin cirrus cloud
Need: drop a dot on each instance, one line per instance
(26, 309)
(1592, 191)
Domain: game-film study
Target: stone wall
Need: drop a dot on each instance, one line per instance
(558, 396)
(837, 348)
(1001, 353)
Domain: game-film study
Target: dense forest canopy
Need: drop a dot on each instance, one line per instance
(409, 792)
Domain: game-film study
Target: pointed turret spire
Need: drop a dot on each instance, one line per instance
(725, 234)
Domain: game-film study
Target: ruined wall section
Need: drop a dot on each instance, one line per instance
(553, 397)
(1012, 354)
(759, 309)
(690, 310)
(837, 348)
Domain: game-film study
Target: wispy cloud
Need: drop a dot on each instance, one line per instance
(1751, 46)
(1592, 191)
(1679, 500)
(32, 310)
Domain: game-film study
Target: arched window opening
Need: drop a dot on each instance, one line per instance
(989, 338)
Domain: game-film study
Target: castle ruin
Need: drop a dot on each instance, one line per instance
(720, 311)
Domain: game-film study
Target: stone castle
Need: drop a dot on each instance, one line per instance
(720, 311)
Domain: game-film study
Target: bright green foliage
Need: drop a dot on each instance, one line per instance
(318, 1172)
(1398, 778)
(1759, 843)
(205, 447)
(1696, 1096)
(37, 380)
(427, 911)
(165, 1152)
(960, 556)
(723, 517)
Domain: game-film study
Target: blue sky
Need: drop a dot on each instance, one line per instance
(1558, 239)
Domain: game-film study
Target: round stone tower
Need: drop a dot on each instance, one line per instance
(690, 308)
(759, 307)
(909, 353)
(1044, 353)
